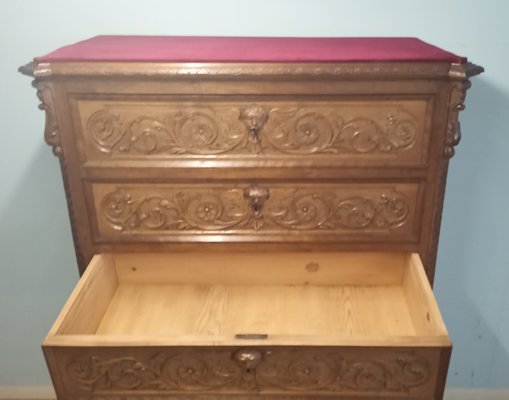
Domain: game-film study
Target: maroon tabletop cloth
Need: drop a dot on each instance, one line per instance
(249, 49)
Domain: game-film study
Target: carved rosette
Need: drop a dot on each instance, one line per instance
(457, 104)
(51, 131)
(209, 131)
(132, 209)
(317, 371)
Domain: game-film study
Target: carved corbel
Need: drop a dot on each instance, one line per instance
(460, 74)
(51, 132)
(46, 97)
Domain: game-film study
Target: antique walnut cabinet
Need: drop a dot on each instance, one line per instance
(252, 216)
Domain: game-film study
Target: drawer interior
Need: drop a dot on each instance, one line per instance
(303, 297)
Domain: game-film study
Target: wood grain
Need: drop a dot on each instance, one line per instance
(278, 294)
(89, 300)
(243, 309)
(261, 268)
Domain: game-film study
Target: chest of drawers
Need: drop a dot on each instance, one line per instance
(252, 217)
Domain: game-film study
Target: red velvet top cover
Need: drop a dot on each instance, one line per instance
(249, 49)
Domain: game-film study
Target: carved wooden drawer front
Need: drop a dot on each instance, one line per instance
(355, 133)
(362, 212)
(238, 324)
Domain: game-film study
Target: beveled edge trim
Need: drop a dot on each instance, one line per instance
(371, 70)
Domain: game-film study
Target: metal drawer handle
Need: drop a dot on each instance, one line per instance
(256, 196)
(248, 359)
(254, 117)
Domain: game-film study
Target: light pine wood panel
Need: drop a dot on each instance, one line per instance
(423, 307)
(254, 309)
(313, 268)
(90, 299)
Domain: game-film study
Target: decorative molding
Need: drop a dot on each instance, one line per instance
(51, 131)
(207, 131)
(317, 371)
(81, 259)
(137, 209)
(263, 70)
(28, 69)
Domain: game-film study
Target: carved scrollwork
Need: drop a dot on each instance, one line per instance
(253, 208)
(271, 371)
(181, 210)
(201, 132)
(253, 129)
(303, 209)
(322, 371)
(51, 131)
(298, 131)
(180, 371)
(457, 104)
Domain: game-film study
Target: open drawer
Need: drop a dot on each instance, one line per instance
(300, 324)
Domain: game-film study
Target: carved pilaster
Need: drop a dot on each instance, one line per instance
(459, 74)
(46, 95)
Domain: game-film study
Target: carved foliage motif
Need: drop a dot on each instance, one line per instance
(295, 370)
(202, 130)
(51, 132)
(301, 131)
(457, 104)
(131, 209)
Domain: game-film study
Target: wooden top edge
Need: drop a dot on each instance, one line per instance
(53, 340)
(368, 70)
(464, 71)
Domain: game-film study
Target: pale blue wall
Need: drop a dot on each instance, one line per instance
(37, 268)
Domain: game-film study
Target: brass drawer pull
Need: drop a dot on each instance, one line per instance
(254, 117)
(248, 359)
(256, 196)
